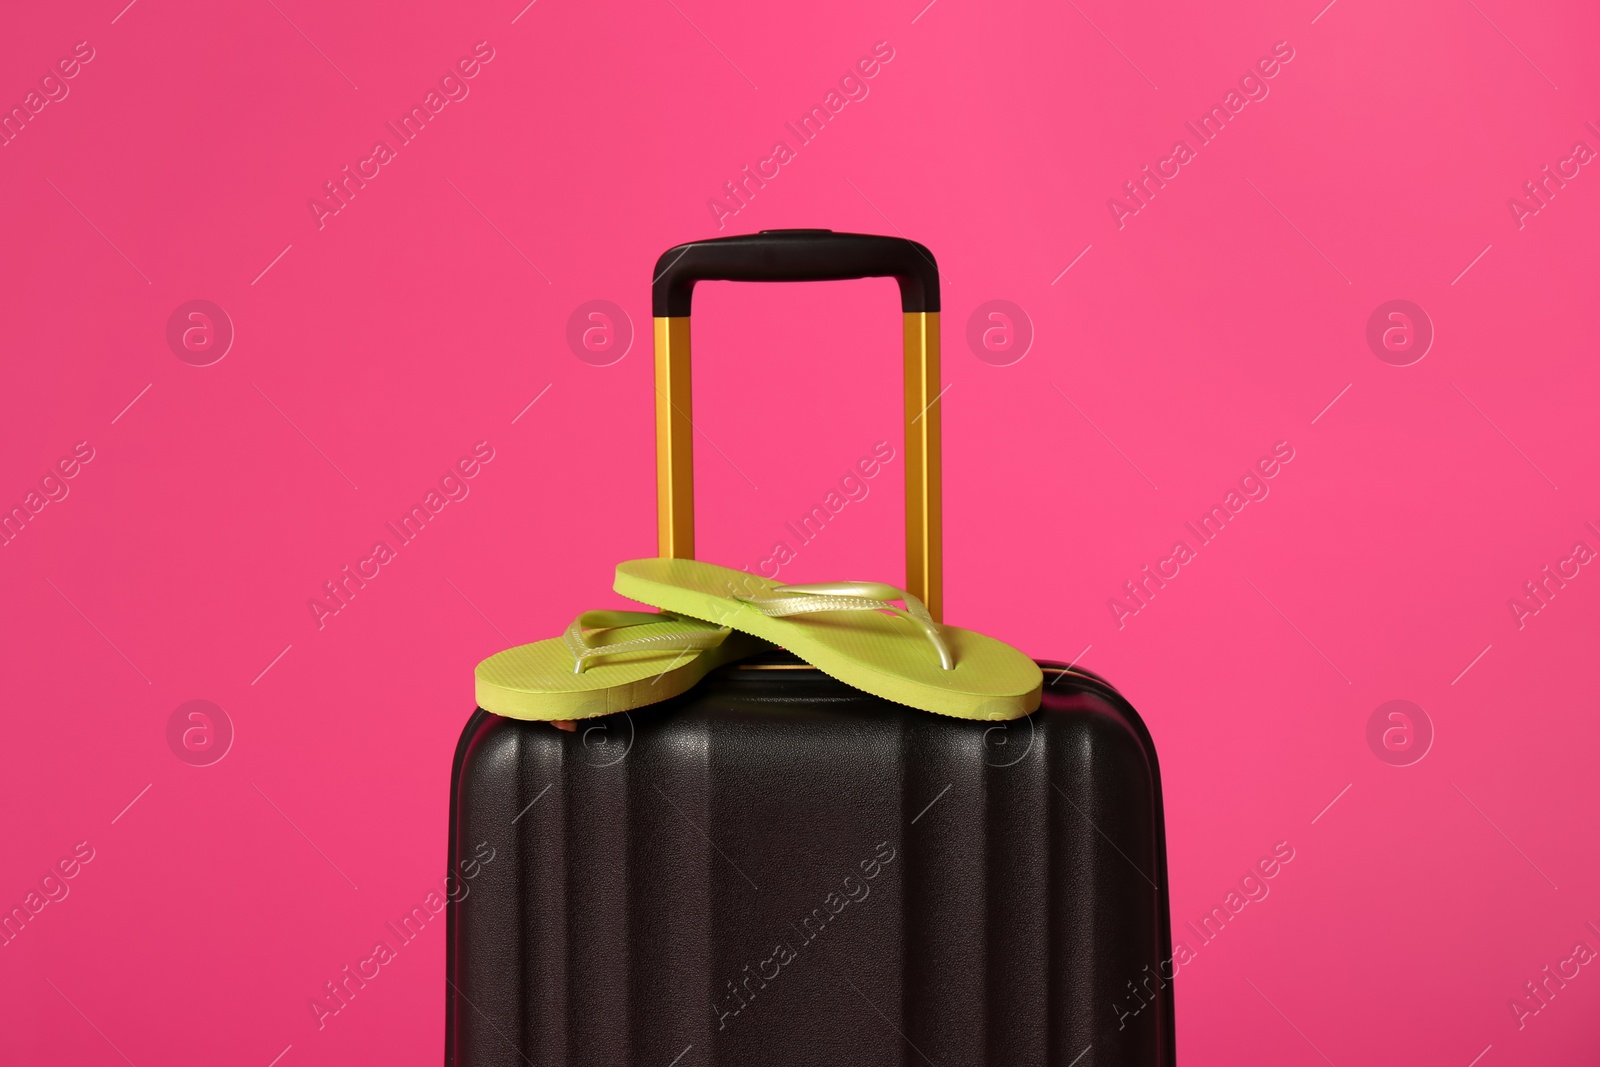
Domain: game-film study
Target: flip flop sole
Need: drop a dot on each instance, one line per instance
(536, 681)
(872, 651)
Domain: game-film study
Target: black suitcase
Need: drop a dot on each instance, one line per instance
(776, 869)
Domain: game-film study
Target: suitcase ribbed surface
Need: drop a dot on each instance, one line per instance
(775, 869)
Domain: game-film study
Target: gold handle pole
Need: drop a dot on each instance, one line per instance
(924, 496)
(674, 441)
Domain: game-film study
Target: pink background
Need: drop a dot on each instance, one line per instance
(425, 316)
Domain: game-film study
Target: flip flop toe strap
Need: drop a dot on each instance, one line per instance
(851, 596)
(699, 637)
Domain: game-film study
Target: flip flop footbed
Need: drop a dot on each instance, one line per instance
(876, 652)
(537, 681)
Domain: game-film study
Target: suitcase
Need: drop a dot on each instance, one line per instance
(777, 869)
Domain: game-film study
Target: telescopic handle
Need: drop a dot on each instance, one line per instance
(804, 256)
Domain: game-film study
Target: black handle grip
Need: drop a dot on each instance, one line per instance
(795, 256)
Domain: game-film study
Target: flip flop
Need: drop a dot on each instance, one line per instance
(606, 662)
(852, 631)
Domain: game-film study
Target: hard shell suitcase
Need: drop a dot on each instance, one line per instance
(777, 869)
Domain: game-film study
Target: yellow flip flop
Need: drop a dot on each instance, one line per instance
(852, 631)
(606, 662)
